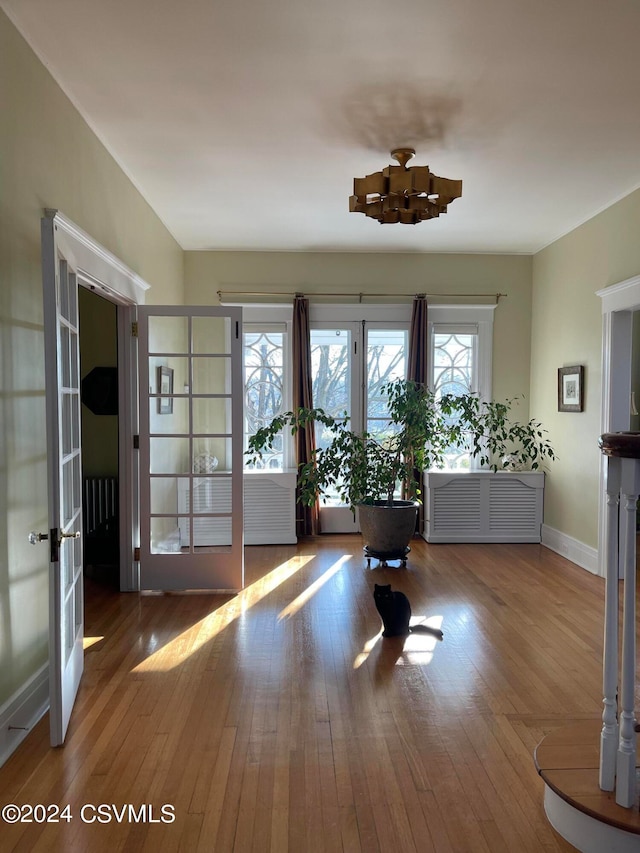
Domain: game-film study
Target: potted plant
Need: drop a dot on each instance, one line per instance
(380, 474)
(502, 498)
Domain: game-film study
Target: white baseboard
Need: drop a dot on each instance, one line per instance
(582, 555)
(22, 711)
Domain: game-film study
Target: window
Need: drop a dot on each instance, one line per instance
(460, 361)
(354, 351)
(264, 385)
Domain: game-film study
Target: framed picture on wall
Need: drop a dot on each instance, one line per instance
(165, 387)
(571, 388)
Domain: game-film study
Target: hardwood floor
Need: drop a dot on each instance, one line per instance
(278, 720)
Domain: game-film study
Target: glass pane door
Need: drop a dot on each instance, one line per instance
(191, 449)
(66, 628)
(336, 374)
(350, 364)
(386, 360)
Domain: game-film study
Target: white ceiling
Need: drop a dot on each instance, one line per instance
(244, 122)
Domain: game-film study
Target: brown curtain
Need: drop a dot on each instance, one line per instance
(307, 518)
(418, 342)
(417, 364)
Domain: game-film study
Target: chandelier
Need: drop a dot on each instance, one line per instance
(401, 194)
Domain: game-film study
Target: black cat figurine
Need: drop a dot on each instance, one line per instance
(395, 612)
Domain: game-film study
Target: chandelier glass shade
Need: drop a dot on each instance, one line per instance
(401, 194)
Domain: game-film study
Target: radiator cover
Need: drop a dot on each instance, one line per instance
(482, 506)
(269, 509)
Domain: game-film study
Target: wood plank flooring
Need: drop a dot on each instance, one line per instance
(278, 721)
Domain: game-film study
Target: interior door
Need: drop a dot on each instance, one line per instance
(62, 367)
(191, 448)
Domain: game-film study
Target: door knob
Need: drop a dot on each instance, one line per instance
(34, 537)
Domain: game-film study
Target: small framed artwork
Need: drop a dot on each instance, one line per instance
(165, 387)
(571, 388)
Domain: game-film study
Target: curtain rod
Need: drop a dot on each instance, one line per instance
(361, 296)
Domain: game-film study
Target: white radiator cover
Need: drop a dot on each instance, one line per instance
(483, 506)
(269, 509)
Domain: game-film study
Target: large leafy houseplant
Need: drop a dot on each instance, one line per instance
(360, 467)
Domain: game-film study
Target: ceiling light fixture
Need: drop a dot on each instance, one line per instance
(401, 194)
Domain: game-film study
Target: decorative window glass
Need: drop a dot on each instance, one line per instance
(454, 371)
(453, 362)
(264, 380)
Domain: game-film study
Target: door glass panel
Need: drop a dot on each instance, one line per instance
(166, 534)
(386, 361)
(210, 534)
(65, 360)
(211, 375)
(174, 420)
(164, 495)
(169, 456)
(168, 334)
(63, 305)
(212, 415)
(211, 495)
(211, 454)
(211, 335)
(168, 375)
(331, 372)
(67, 434)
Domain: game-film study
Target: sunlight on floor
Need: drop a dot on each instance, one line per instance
(87, 642)
(302, 599)
(366, 650)
(417, 647)
(176, 651)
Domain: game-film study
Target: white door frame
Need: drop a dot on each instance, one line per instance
(618, 304)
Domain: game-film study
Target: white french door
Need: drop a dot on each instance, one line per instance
(350, 363)
(191, 445)
(64, 460)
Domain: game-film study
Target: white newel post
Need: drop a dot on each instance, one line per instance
(618, 738)
(609, 735)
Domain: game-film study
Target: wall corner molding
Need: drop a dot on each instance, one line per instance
(572, 549)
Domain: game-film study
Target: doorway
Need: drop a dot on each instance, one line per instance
(98, 339)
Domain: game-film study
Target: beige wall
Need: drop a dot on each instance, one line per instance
(567, 330)
(48, 158)
(386, 274)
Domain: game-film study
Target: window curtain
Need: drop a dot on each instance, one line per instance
(418, 341)
(417, 365)
(307, 517)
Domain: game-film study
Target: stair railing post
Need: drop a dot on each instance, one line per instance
(609, 734)
(623, 452)
(627, 746)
